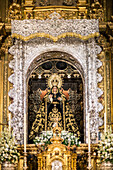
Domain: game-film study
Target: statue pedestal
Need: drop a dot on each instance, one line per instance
(57, 155)
(57, 151)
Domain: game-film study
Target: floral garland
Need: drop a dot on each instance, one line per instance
(68, 138)
(105, 149)
(8, 147)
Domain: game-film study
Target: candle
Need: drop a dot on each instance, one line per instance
(105, 122)
(9, 122)
(89, 147)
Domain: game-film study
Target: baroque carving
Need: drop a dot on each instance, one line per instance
(96, 11)
(7, 43)
(43, 15)
(54, 28)
(14, 12)
(105, 72)
(28, 55)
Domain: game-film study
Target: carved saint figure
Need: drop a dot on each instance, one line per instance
(55, 102)
(54, 107)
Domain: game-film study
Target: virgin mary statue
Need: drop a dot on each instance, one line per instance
(54, 107)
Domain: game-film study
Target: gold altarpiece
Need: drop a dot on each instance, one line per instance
(27, 10)
(57, 152)
(83, 9)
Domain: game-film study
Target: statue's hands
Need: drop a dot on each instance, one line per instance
(69, 90)
(59, 98)
(40, 90)
(51, 98)
(47, 90)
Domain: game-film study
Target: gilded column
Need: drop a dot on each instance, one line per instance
(111, 71)
(39, 161)
(6, 18)
(104, 9)
(8, 89)
(74, 157)
(101, 85)
(5, 87)
(1, 92)
(110, 35)
(28, 11)
(106, 98)
(107, 87)
(82, 4)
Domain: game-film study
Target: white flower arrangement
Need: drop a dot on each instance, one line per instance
(105, 149)
(8, 147)
(69, 138)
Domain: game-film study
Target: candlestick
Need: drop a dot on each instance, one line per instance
(89, 147)
(25, 143)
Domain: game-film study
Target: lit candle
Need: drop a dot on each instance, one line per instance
(89, 147)
(25, 153)
(25, 139)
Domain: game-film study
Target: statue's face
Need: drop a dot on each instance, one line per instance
(55, 82)
(55, 89)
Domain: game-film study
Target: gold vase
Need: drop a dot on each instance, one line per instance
(106, 166)
(8, 166)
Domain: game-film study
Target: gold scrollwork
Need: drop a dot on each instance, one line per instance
(70, 34)
(14, 12)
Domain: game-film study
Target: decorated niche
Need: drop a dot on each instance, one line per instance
(74, 43)
(55, 92)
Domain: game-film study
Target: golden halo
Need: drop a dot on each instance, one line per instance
(54, 77)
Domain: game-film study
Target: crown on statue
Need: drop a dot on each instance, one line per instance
(55, 80)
